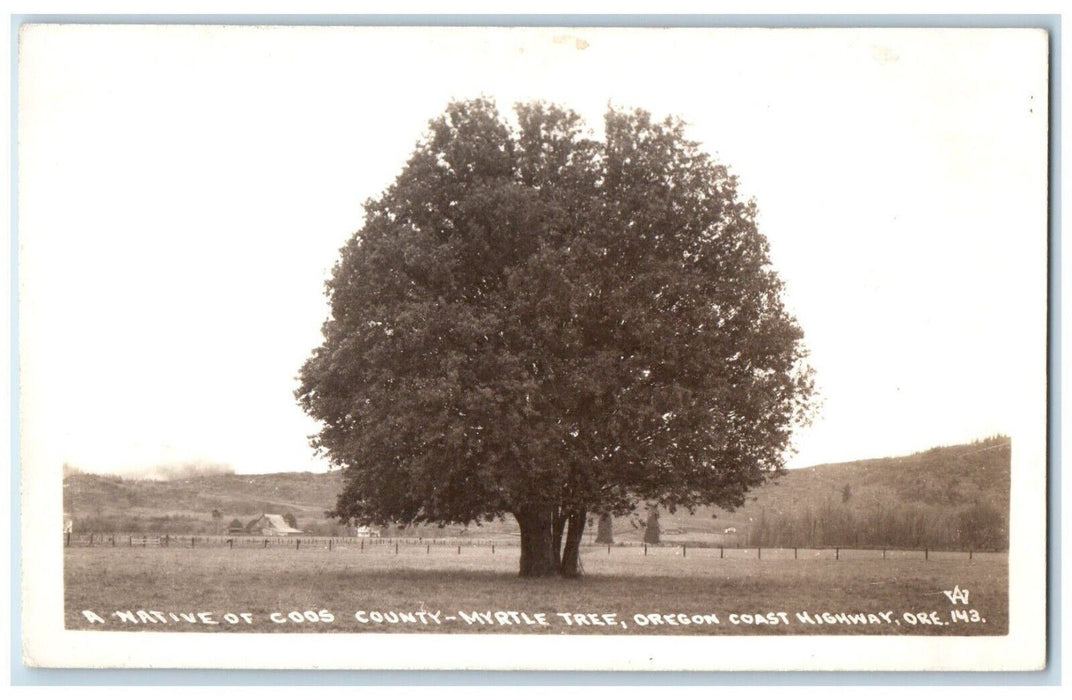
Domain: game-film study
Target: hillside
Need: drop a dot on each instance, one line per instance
(185, 505)
(946, 496)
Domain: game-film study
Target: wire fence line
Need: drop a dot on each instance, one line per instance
(417, 545)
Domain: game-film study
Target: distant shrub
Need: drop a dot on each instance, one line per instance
(605, 529)
(982, 526)
(326, 529)
(651, 527)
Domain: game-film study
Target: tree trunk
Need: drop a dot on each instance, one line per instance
(571, 557)
(605, 529)
(537, 553)
(558, 526)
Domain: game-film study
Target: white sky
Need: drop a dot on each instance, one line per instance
(183, 193)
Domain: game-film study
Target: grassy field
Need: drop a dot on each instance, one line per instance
(623, 592)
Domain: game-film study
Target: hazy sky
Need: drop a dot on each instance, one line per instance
(183, 193)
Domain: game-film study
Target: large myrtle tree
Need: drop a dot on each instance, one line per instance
(537, 322)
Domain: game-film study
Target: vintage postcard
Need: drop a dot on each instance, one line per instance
(532, 347)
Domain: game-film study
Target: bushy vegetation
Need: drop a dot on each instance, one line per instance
(946, 497)
(651, 526)
(176, 524)
(979, 526)
(605, 531)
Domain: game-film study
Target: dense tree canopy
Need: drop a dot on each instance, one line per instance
(538, 322)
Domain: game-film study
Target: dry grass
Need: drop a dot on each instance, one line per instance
(624, 582)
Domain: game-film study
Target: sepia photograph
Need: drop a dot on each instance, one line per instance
(532, 348)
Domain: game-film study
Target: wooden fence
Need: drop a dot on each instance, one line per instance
(411, 545)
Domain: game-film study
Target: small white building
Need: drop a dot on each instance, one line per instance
(366, 531)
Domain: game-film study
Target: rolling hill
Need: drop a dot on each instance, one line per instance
(947, 496)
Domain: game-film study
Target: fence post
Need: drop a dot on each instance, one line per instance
(266, 543)
(721, 552)
(926, 553)
(231, 542)
(837, 553)
(68, 539)
(130, 540)
(193, 542)
(459, 550)
(759, 552)
(969, 555)
(883, 552)
(794, 552)
(396, 548)
(297, 545)
(493, 548)
(683, 550)
(113, 540)
(362, 543)
(608, 549)
(645, 549)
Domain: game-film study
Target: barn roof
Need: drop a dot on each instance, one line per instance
(278, 523)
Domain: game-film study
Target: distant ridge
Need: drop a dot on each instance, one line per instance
(955, 496)
(947, 496)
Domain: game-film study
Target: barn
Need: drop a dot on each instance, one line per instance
(271, 525)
